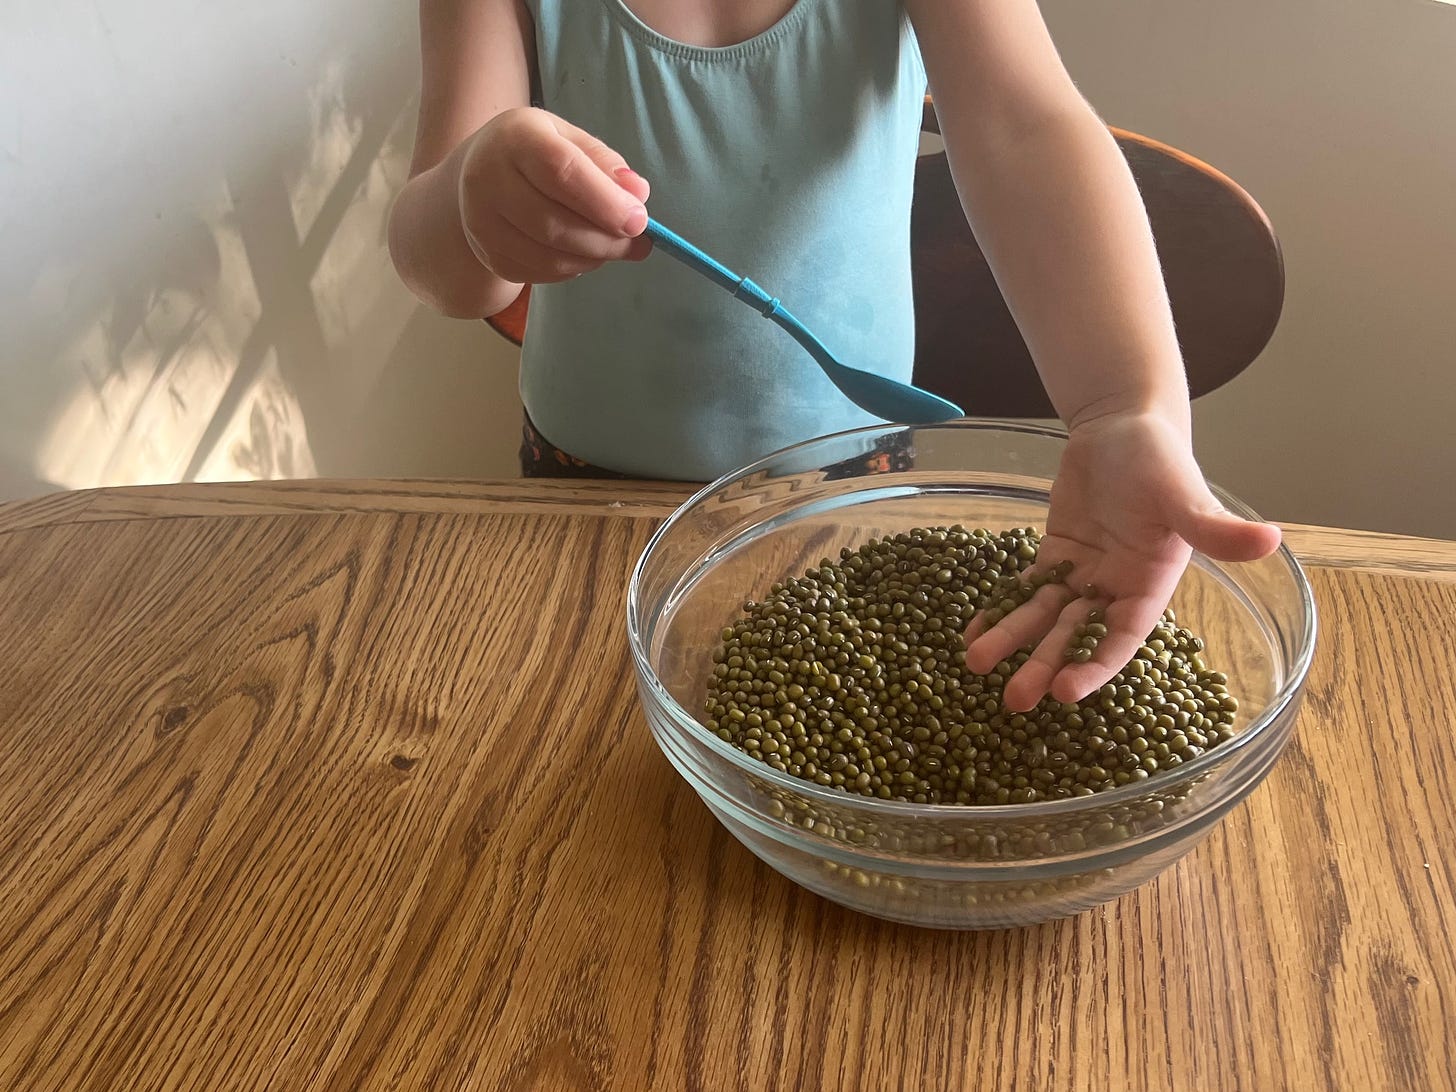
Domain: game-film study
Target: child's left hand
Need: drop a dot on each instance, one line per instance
(1128, 507)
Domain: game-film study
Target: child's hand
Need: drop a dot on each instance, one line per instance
(1128, 506)
(542, 201)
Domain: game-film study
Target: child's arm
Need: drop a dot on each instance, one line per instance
(501, 194)
(1057, 213)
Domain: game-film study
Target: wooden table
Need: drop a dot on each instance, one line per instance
(277, 812)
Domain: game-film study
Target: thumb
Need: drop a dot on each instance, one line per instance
(1214, 531)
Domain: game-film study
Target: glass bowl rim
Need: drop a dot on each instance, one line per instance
(1217, 756)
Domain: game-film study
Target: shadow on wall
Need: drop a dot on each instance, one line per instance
(239, 318)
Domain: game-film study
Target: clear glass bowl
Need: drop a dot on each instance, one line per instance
(944, 865)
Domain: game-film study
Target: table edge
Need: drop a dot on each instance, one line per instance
(1326, 547)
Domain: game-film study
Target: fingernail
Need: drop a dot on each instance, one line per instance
(626, 173)
(636, 222)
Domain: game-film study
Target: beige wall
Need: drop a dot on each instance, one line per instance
(1339, 116)
(193, 282)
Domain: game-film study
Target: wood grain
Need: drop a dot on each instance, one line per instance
(47, 510)
(311, 788)
(1366, 551)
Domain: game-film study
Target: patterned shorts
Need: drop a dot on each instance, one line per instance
(540, 458)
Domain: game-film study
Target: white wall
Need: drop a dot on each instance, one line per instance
(193, 282)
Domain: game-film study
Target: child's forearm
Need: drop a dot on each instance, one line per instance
(431, 252)
(1059, 217)
(1054, 208)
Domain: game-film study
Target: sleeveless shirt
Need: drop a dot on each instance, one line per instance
(790, 158)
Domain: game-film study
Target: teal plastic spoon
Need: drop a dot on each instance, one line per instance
(875, 394)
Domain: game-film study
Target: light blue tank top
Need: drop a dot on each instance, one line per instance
(790, 158)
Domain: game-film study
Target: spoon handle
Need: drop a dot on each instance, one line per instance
(670, 242)
(741, 287)
(849, 380)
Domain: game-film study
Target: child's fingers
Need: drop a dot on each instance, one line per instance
(1034, 678)
(1128, 621)
(986, 647)
(518, 258)
(639, 249)
(558, 227)
(568, 176)
(633, 183)
(607, 159)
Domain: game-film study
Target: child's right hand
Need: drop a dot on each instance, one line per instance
(542, 201)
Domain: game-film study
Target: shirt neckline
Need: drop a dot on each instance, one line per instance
(643, 33)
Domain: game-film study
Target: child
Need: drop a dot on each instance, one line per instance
(780, 136)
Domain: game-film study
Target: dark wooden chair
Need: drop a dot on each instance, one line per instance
(1221, 262)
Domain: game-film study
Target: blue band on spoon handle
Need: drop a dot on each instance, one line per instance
(741, 287)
